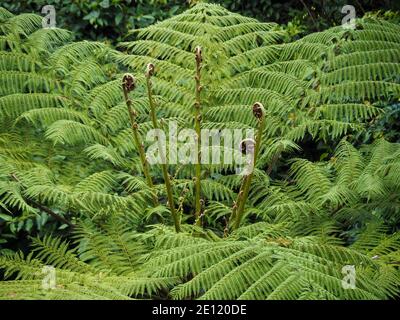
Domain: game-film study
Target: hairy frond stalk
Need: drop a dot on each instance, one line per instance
(197, 119)
(128, 84)
(167, 179)
(238, 209)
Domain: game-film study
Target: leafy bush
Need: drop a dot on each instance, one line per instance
(101, 19)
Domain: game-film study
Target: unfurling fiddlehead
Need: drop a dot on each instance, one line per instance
(164, 166)
(238, 208)
(197, 119)
(128, 85)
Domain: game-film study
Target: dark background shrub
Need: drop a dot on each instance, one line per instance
(111, 19)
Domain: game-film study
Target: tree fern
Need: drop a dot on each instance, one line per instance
(67, 153)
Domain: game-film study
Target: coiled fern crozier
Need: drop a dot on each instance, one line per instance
(71, 172)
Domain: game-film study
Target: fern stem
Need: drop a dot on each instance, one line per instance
(167, 178)
(197, 119)
(238, 210)
(41, 207)
(128, 84)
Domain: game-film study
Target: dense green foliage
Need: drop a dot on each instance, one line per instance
(101, 19)
(112, 19)
(325, 191)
